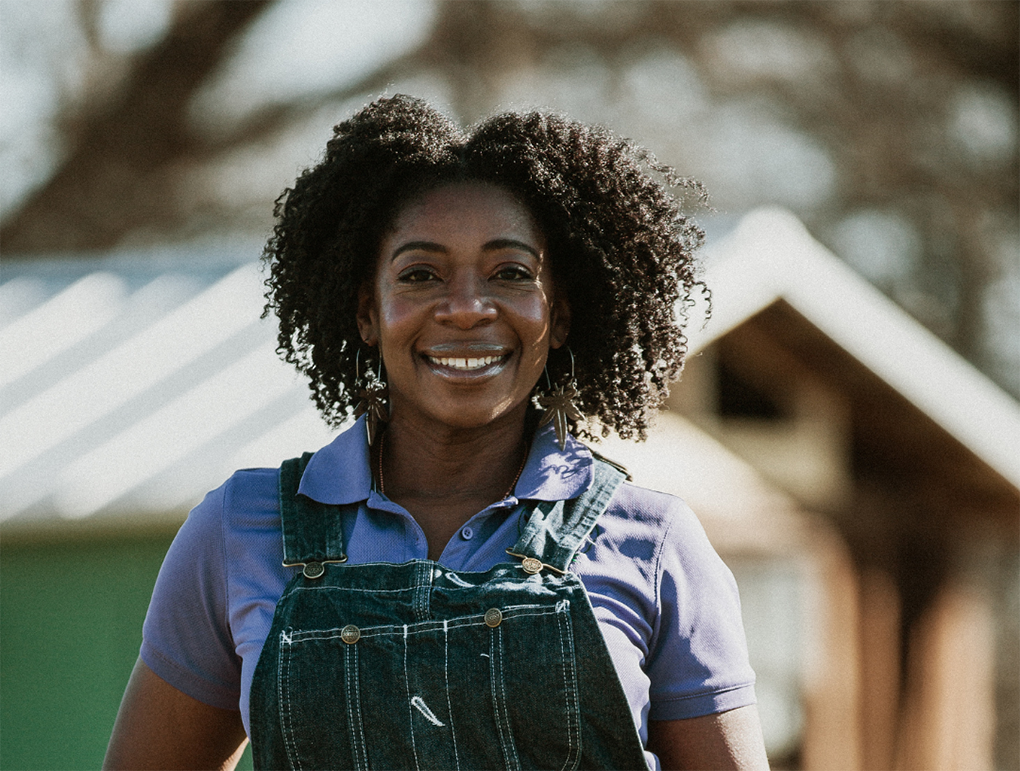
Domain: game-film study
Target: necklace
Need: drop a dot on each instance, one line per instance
(382, 482)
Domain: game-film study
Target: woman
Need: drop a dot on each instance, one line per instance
(456, 581)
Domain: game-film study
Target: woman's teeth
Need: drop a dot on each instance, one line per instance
(465, 364)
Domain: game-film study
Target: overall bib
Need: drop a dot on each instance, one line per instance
(389, 666)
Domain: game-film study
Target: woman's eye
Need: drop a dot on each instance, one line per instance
(513, 273)
(416, 275)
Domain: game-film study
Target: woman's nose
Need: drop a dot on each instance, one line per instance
(466, 304)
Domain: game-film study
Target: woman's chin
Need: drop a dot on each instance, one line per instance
(465, 415)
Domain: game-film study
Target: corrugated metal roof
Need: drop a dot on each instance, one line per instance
(136, 383)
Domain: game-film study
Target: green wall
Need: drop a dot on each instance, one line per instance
(71, 616)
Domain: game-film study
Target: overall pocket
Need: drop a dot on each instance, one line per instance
(477, 691)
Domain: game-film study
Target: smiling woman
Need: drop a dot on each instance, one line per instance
(465, 584)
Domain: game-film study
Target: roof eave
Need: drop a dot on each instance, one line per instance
(771, 256)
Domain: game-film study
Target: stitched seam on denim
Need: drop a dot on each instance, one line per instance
(493, 666)
(287, 486)
(416, 595)
(591, 504)
(280, 497)
(354, 716)
(335, 545)
(424, 582)
(606, 487)
(449, 705)
(513, 611)
(422, 627)
(410, 714)
(506, 739)
(570, 688)
(289, 744)
(322, 587)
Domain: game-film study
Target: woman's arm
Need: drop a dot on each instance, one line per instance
(728, 741)
(159, 727)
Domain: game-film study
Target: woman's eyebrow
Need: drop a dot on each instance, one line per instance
(490, 246)
(412, 246)
(511, 243)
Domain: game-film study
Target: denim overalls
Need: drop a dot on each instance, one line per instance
(388, 666)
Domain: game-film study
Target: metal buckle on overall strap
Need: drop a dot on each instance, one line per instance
(534, 565)
(314, 569)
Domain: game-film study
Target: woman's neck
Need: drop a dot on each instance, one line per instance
(419, 464)
(443, 478)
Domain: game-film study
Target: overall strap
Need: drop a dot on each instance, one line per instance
(556, 529)
(312, 531)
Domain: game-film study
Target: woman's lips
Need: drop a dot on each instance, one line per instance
(465, 364)
(469, 364)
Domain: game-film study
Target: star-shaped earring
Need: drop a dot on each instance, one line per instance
(371, 399)
(559, 409)
(372, 405)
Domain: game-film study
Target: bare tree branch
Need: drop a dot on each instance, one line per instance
(114, 177)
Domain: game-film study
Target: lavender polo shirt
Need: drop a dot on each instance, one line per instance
(666, 604)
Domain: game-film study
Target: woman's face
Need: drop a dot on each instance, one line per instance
(462, 307)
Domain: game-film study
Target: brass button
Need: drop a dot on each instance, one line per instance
(531, 565)
(313, 570)
(493, 617)
(350, 634)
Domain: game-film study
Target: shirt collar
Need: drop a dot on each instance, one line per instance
(552, 474)
(341, 472)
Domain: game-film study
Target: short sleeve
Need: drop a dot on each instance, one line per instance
(186, 637)
(697, 663)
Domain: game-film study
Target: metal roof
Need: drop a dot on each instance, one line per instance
(138, 384)
(771, 256)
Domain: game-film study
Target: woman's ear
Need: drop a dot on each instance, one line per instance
(367, 318)
(559, 322)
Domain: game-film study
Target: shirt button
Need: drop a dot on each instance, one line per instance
(467, 533)
(350, 634)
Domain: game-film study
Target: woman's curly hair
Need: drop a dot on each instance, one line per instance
(618, 243)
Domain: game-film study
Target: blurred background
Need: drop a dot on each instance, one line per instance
(846, 430)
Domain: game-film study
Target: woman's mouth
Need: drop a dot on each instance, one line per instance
(464, 364)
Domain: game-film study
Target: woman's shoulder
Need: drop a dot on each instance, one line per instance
(657, 529)
(252, 486)
(249, 491)
(649, 502)
(652, 511)
(639, 500)
(246, 502)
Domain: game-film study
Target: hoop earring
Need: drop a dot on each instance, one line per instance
(372, 399)
(559, 405)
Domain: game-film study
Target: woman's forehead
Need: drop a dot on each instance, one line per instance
(460, 206)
